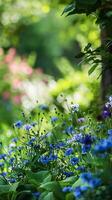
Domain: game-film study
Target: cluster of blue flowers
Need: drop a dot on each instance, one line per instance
(65, 149)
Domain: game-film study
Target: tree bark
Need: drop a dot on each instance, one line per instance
(106, 80)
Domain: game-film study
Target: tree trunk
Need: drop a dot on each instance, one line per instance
(106, 36)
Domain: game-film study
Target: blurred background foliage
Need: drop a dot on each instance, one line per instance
(37, 57)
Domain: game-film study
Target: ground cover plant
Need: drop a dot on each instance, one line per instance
(59, 156)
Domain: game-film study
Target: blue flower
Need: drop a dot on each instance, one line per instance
(11, 160)
(86, 176)
(68, 174)
(85, 148)
(53, 157)
(2, 156)
(70, 130)
(32, 140)
(78, 191)
(44, 159)
(36, 194)
(103, 145)
(75, 108)
(67, 189)
(87, 139)
(80, 168)
(15, 140)
(26, 162)
(12, 180)
(18, 124)
(92, 181)
(81, 120)
(54, 119)
(95, 182)
(110, 132)
(3, 174)
(43, 107)
(1, 164)
(74, 160)
(27, 127)
(69, 151)
(106, 113)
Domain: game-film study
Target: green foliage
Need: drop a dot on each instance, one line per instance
(102, 10)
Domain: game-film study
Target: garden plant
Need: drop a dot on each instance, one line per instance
(59, 156)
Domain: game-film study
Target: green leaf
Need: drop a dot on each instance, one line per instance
(2, 181)
(91, 70)
(50, 186)
(71, 13)
(69, 180)
(47, 179)
(79, 182)
(47, 196)
(87, 47)
(38, 177)
(69, 8)
(13, 187)
(4, 189)
(69, 196)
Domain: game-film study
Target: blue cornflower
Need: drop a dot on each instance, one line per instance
(25, 162)
(95, 182)
(43, 107)
(27, 127)
(18, 124)
(92, 181)
(3, 174)
(68, 174)
(81, 120)
(85, 148)
(87, 139)
(15, 139)
(86, 176)
(106, 113)
(12, 180)
(1, 164)
(110, 132)
(78, 191)
(44, 159)
(54, 119)
(80, 168)
(53, 157)
(103, 145)
(75, 108)
(60, 144)
(3, 156)
(36, 194)
(69, 151)
(67, 189)
(74, 160)
(11, 160)
(32, 140)
(70, 130)
(78, 137)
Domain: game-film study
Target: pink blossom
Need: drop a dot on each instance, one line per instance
(17, 99)
(10, 56)
(6, 95)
